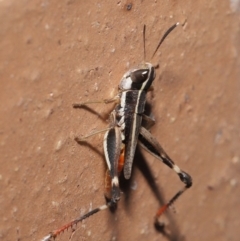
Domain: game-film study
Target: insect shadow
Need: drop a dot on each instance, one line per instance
(103, 116)
(172, 233)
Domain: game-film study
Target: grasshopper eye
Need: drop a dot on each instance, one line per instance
(139, 76)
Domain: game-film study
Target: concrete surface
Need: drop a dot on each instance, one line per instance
(55, 53)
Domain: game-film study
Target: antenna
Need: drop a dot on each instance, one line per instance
(144, 40)
(164, 36)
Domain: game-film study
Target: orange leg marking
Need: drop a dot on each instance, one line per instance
(108, 185)
(121, 160)
(55, 233)
(161, 210)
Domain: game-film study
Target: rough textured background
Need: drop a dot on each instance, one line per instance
(55, 53)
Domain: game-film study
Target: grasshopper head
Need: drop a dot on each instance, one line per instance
(139, 78)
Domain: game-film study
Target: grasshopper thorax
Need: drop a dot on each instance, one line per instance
(139, 78)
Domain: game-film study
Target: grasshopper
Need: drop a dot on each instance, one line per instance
(125, 132)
